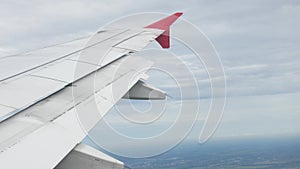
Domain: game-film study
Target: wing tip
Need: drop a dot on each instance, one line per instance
(164, 24)
(178, 14)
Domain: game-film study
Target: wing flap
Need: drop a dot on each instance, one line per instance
(83, 156)
(143, 91)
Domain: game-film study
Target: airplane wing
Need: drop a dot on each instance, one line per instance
(48, 99)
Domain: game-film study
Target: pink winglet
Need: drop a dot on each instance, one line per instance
(164, 24)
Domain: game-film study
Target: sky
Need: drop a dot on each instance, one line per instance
(257, 41)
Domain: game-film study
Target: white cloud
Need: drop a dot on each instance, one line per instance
(258, 41)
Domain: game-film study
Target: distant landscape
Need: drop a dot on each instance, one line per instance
(227, 153)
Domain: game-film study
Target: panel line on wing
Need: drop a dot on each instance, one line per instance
(45, 77)
(63, 56)
(81, 61)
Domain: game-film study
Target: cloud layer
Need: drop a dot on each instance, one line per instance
(258, 43)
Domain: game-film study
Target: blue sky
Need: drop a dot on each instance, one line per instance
(257, 41)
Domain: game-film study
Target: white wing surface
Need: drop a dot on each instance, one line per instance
(48, 102)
